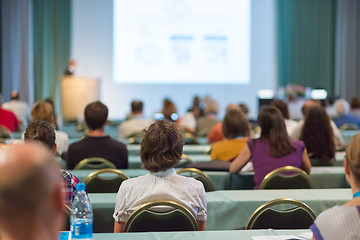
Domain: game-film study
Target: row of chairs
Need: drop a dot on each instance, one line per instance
(281, 213)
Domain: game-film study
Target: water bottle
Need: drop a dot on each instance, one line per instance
(81, 216)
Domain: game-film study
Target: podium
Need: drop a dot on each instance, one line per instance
(76, 93)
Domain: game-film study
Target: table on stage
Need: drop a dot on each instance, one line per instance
(229, 210)
(198, 235)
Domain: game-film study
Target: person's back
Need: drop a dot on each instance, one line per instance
(343, 222)
(9, 120)
(161, 150)
(19, 108)
(97, 143)
(342, 114)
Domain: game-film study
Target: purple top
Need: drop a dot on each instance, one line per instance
(263, 163)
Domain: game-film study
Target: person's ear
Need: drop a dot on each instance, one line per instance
(346, 166)
(54, 148)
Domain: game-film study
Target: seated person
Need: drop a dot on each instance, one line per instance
(283, 107)
(342, 114)
(42, 110)
(161, 150)
(97, 143)
(43, 132)
(296, 133)
(9, 120)
(136, 123)
(19, 108)
(273, 149)
(205, 123)
(343, 222)
(355, 107)
(318, 137)
(31, 204)
(236, 129)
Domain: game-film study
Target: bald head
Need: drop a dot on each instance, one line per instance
(30, 188)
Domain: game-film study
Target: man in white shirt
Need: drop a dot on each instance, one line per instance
(136, 123)
(19, 108)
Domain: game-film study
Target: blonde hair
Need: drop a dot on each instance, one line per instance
(43, 110)
(353, 156)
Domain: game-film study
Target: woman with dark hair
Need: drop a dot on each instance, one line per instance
(318, 137)
(161, 149)
(273, 149)
(236, 129)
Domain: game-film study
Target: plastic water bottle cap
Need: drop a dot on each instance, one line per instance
(80, 187)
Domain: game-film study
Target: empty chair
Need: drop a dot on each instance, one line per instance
(287, 178)
(185, 160)
(283, 213)
(104, 181)
(198, 175)
(161, 216)
(94, 163)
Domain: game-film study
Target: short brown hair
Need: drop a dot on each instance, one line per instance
(43, 110)
(235, 124)
(96, 114)
(161, 146)
(42, 131)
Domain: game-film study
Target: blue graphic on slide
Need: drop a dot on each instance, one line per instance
(181, 48)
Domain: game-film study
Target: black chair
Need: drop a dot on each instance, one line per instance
(198, 175)
(174, 217)
(94, 163)
(287, 178)
(283, 213)
(95, 183)
(185, 160)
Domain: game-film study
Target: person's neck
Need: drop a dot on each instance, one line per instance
(136, 115)
(96, 132)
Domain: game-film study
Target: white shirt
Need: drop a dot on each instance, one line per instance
(290, 125)
(296, 133)
(20, 109)
(188, 121)
(133, 126)
(160, 186)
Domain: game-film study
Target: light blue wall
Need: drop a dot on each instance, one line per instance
(92, 47)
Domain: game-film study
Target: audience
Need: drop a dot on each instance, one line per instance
(296, 133)
(205, 123)
(273, 149)
(97, 143)
(342, 114)
(236, 129)
(343, 222)
(187, 122)
(31, 203)
(136, 123)
(289, 123)
(169, 110)
(161, 150)
(42, 110)
(8, 119)
(43, 132)
(318, 137)
(19, 108)
(355, 108)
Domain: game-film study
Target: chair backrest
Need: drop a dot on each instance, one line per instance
(190, 138)
(148, 219)
(198, 175)
(320, 162)
(349, 126)
(287, 178)
(283, 213)
(94, 163)
(104, 181)
(185, 160)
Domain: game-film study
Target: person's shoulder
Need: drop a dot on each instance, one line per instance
(116, 142)
(189, 181)
(61, 134)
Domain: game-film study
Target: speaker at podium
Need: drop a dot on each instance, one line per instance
(76, 93)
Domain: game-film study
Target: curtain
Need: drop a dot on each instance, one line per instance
(16, 51)
(347, 79)
(52, 38)
(306, 43)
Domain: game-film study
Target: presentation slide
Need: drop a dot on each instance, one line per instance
(182, 41)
